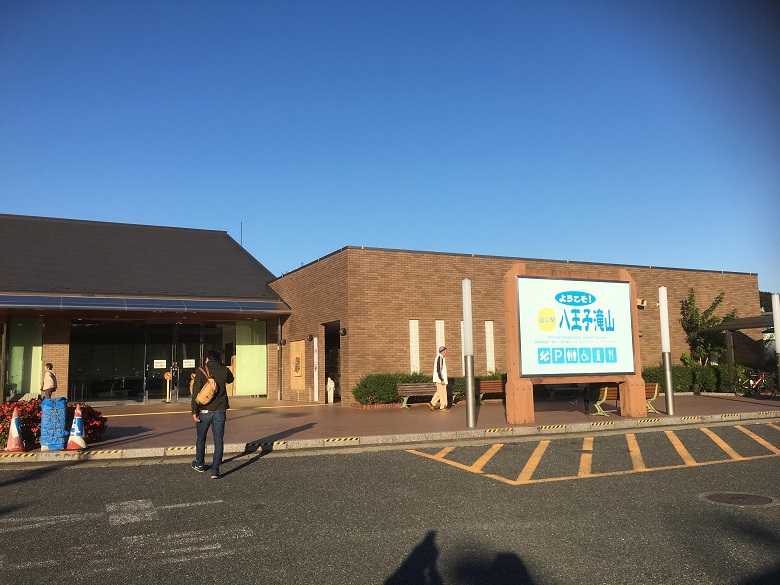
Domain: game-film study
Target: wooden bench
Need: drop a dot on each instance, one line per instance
(405, 391)
(606, 393)
(483, 387)
(612, 393)
(651, 393)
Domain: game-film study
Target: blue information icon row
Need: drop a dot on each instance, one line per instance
(576, 355)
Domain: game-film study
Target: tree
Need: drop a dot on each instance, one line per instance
(765, 298)
(695, 323)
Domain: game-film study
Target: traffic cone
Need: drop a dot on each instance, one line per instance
(14, 442)
(76, 440)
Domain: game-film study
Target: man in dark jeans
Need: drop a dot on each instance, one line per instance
(212, 414)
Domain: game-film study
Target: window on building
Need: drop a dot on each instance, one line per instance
(414, 345)
(490, 353)
(439, 334)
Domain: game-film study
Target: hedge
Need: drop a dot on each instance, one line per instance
(382, 388)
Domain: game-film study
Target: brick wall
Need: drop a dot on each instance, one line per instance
(56, 349)
(374, 293)
(317, 295)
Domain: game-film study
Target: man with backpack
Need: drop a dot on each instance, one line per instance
(212, 413)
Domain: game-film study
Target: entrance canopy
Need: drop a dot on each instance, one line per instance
(184, 305)
(763, 321)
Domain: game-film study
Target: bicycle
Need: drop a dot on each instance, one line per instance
(753, 383)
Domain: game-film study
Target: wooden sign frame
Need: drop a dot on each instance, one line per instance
(519, 389)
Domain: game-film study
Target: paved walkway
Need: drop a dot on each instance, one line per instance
(164, 430)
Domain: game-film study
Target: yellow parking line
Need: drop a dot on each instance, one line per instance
(482, 461)
(680, 448)
(636, 454)
(722, 444)
(443, 453)
(758, 439)
(586, 459)
(533, 462)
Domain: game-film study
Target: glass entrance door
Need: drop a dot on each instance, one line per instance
(187, 357)
(160, 345)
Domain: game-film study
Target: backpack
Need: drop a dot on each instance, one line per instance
(206, 393)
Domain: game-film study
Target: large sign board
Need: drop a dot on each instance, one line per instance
(574, 327)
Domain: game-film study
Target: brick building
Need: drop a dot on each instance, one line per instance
(114, 306)
(378, 310)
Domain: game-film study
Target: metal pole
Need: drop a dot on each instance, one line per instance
(776, 324)
(279, 359)
(468, 355)
(666, 351)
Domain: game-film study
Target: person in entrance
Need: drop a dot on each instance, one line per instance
(49, 382)
(213, 414)
(440, 379)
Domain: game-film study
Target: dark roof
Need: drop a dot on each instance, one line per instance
(45, 256)
(763, 321)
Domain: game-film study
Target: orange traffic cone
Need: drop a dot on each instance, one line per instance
(76, 440)
(14, 442)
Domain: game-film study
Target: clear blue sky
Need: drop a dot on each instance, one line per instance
(604, 131)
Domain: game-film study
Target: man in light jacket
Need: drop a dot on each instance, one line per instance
(440, 378)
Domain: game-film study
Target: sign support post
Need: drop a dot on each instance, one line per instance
(666, 351)
(468, 355)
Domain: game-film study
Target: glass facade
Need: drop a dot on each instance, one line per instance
(128, 360)
(24, 353)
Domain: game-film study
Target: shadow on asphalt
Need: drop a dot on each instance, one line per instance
(505, 568)
(264, 445)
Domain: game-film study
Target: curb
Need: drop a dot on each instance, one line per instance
(336, 444)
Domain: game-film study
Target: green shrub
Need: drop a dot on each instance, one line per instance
(653, 374)
(705, 378)
(382, 388)
(722, 371)
(682, 379)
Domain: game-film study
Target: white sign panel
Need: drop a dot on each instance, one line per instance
(188, 363)
(160, 364)
(572, 327)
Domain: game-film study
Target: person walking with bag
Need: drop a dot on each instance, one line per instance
(440, 379)
(210, 411)
(49, 382)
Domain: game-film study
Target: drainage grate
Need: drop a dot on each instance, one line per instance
(735, 499)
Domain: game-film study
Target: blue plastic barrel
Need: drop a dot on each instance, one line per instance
(54, 435)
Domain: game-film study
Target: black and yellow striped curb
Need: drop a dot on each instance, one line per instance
(13, 455)
(390, 440)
